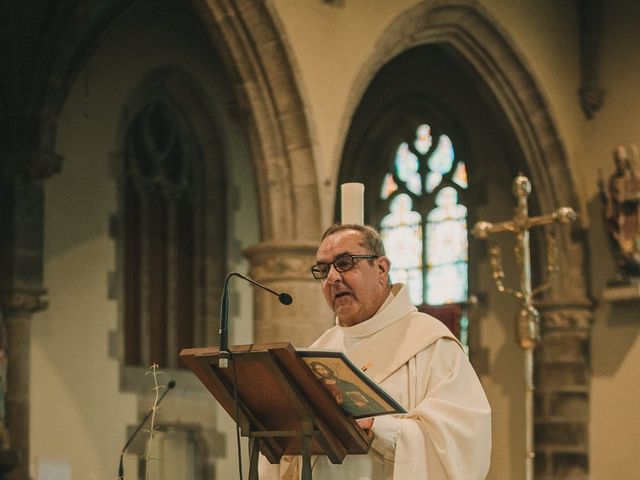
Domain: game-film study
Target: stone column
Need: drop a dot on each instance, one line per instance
(17, 309)
(563, 374)
(562, 393)
(17, 397)
(284, 266)
(21, 295)
(29, 160)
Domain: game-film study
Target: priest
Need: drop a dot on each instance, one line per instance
(446, 432)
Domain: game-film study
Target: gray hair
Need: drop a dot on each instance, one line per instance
(371, 239)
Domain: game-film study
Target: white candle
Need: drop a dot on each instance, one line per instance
(352, 203)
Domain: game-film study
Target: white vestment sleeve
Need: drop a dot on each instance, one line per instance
(385, 435)
(447, 432)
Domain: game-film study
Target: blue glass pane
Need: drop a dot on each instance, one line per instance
(442, 158)
(407, 169)
(447, 206)
(423, 139)
(401, 232)
(446, 246)
(446, 284)
(446, 233)
(446, 242)
(464, 331)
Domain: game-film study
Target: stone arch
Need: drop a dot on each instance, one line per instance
(248, 40)
(252, 47)
(465, 30)
(255, 54)
(267, 101)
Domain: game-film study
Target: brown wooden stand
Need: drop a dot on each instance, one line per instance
(278, 404)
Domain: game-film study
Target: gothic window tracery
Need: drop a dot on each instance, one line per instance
(425, 226)
(162, 218)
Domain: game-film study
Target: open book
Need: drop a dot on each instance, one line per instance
(354, 392)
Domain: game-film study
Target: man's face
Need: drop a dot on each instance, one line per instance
(357, 294)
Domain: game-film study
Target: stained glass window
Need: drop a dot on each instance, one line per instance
(401, 232)
(446, 245)
(407, 169)
(425, 227)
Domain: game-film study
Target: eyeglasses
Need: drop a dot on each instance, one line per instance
(342, 264)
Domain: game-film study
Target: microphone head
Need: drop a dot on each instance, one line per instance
(285, 299)
(171, 384)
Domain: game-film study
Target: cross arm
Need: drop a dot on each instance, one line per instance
(561, 215)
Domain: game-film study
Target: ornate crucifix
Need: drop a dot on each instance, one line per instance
(528, 318)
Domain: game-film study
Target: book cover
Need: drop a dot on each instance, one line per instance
(354, 392)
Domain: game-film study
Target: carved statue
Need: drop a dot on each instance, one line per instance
(621, 199)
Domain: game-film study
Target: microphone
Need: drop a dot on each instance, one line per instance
(223, 359)
(170, 385)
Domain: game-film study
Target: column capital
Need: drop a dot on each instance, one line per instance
(37, 165)
(31, 145)
(284, 266)
(278, 261)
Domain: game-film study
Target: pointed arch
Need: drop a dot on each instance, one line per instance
(251, 45)
(464, 35)
(246, 37)
(170, 164)
(465, 29)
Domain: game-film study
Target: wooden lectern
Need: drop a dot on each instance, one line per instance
(279, 404)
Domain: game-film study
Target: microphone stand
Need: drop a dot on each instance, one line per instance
(170, 386)
(225, 355)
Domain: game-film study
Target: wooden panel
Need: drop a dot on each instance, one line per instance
(278, 393)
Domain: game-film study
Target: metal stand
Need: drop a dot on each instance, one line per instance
(528, 318)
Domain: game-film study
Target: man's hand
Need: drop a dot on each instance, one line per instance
(365, 423)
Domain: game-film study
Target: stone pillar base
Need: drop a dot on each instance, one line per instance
(18, 404)
(562, 393)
